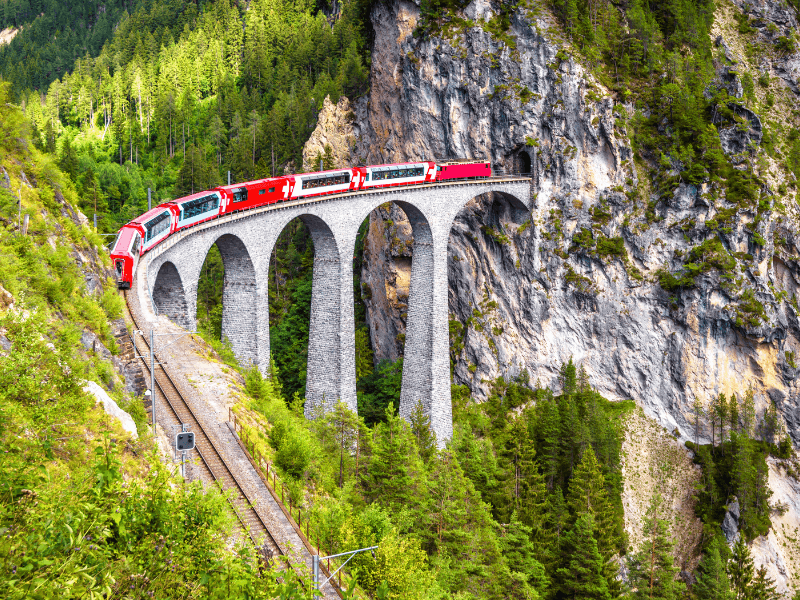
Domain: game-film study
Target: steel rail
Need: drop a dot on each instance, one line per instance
(210, 456)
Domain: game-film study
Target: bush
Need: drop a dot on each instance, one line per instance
(112, 303)
(611, 246)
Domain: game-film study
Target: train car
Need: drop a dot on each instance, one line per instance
(378, 176)
(125, 255)
(253, 194)
(463, 169)
(194, 209)
(308, 185)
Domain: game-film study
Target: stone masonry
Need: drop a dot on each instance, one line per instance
(246, 240)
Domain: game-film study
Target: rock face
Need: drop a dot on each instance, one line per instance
(730, 524)
(385, 284)
(335, 130)
(111, 407)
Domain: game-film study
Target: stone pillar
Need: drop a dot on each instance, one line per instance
(426, 366)
(262, 323)
(441, 406)
(324, 360)
(347, 328)
(239, 299)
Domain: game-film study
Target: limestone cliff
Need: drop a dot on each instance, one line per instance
(334, 133)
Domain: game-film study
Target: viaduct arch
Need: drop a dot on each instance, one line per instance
(167, 279)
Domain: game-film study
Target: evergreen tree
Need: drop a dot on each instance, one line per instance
(588, 495)
(581, 577)
(763, 587)
(344, 425)
(547, 438)
(712, 579)
(740, 568)
(653, 571)
(520, 554)
(395, 477)
(68, 159)
(423, 434)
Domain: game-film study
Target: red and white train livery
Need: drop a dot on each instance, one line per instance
(153, 227)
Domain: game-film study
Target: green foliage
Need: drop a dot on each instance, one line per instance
(737, 467)
(173, 95)
(582, 576)
(611, 247)
(209, 294)
(54, 34)
(380, 390)
(712, 579)
(578, 281)
(709, 255)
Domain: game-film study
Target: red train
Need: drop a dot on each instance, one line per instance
(153, 227)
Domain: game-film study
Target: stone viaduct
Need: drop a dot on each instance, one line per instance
(168, 275)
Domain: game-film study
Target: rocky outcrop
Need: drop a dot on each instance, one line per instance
(111, 407)
(730, 523)
(333, 135)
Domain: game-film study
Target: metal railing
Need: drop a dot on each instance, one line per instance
(296, 516)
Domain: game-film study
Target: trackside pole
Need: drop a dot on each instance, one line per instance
(149, 199)
(315, 573)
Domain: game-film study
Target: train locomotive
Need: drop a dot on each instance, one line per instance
(156, 225)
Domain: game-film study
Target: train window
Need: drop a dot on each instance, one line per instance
(397, 173)
(239, 194)
(116, 241)
(316, 182)
(197, 207)
(272, 189)
(260, 192)
(157, 226)
(136, 240)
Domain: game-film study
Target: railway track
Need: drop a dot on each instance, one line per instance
(211, 460)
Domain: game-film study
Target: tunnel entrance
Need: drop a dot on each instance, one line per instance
(524, 162)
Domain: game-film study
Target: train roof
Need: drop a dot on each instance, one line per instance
(150, 213)
(462, 161)
(236, 186)
(191, 197)
(315, 173)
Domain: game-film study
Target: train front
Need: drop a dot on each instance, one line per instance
(125, 255)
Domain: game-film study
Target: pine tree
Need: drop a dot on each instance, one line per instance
(763, 587)
(344, 424)
(422, 432)
(653, 570)
(395, 477)
(547, 437)
(556, 524)
(582, 576)
(740, 568)
(712, 579)
(588, 495)
(520, 554)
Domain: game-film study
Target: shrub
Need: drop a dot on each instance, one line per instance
(611, 246)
